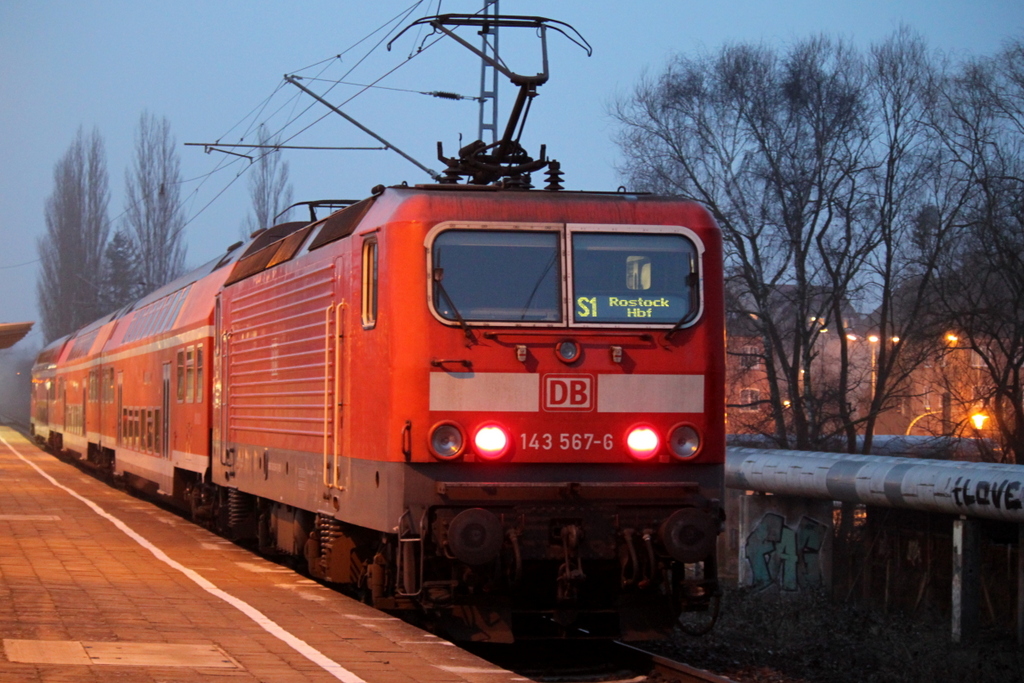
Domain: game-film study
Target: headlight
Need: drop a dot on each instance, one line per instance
(684, 442)
(567, 350)
(446, 441)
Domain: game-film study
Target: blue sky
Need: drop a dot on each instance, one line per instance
(207, 65)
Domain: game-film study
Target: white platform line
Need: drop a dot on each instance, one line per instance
(264, 622)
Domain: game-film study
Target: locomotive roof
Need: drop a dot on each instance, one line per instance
(488, 202)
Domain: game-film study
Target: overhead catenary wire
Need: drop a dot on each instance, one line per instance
(259, 110)
(389, 28)
(226, 162)
(19, 265)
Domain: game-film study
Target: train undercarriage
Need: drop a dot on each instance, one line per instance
(489, 563)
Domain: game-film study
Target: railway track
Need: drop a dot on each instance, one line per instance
(659, 668)
(591, 662)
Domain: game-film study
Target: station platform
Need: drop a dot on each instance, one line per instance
(96, 585)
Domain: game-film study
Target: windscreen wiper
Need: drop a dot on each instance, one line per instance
(693, 280)
(438, 276)
(533, 292)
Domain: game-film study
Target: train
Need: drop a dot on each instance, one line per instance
(503, 407)
(495, 407)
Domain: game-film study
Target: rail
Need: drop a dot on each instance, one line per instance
(665, 669)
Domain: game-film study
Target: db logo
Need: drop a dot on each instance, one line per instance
(568, 392)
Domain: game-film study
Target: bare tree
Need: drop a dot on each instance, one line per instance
(915, 200)
(982, 284)
(154, 213)
(269, 188)
(772, 144)
(71, 252)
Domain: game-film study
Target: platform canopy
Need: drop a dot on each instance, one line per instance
(11, 333)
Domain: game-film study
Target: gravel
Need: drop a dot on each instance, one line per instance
(807, 638)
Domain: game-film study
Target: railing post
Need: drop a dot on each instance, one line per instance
(966, 578)
(1020, 585)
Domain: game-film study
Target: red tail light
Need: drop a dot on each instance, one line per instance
(643, 443)
(491, 442)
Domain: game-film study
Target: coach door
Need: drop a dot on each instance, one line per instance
(336, 469)
(220, 353)
(165, 414)
(120, 408)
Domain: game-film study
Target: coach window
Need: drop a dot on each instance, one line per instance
(181, 376)
(369, 283)
(190, 374)
(199, 373)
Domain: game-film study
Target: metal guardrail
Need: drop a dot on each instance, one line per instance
(967, 491)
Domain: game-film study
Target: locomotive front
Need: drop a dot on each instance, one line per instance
(575, 436)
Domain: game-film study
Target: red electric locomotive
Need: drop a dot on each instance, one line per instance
(498, 406)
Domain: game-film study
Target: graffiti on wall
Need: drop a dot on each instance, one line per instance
(786, 557)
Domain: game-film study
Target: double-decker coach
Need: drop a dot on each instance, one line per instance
(129, 393)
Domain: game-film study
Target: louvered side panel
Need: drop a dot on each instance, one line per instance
(276, 366)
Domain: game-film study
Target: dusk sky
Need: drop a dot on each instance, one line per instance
(210, 67)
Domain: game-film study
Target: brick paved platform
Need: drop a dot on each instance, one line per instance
(96, 585)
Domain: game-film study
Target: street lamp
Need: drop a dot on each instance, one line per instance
(874, 338)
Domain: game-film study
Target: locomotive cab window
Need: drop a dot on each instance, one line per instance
(497, 275)
(634, 278)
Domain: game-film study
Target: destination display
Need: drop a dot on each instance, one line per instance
(633, 278)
